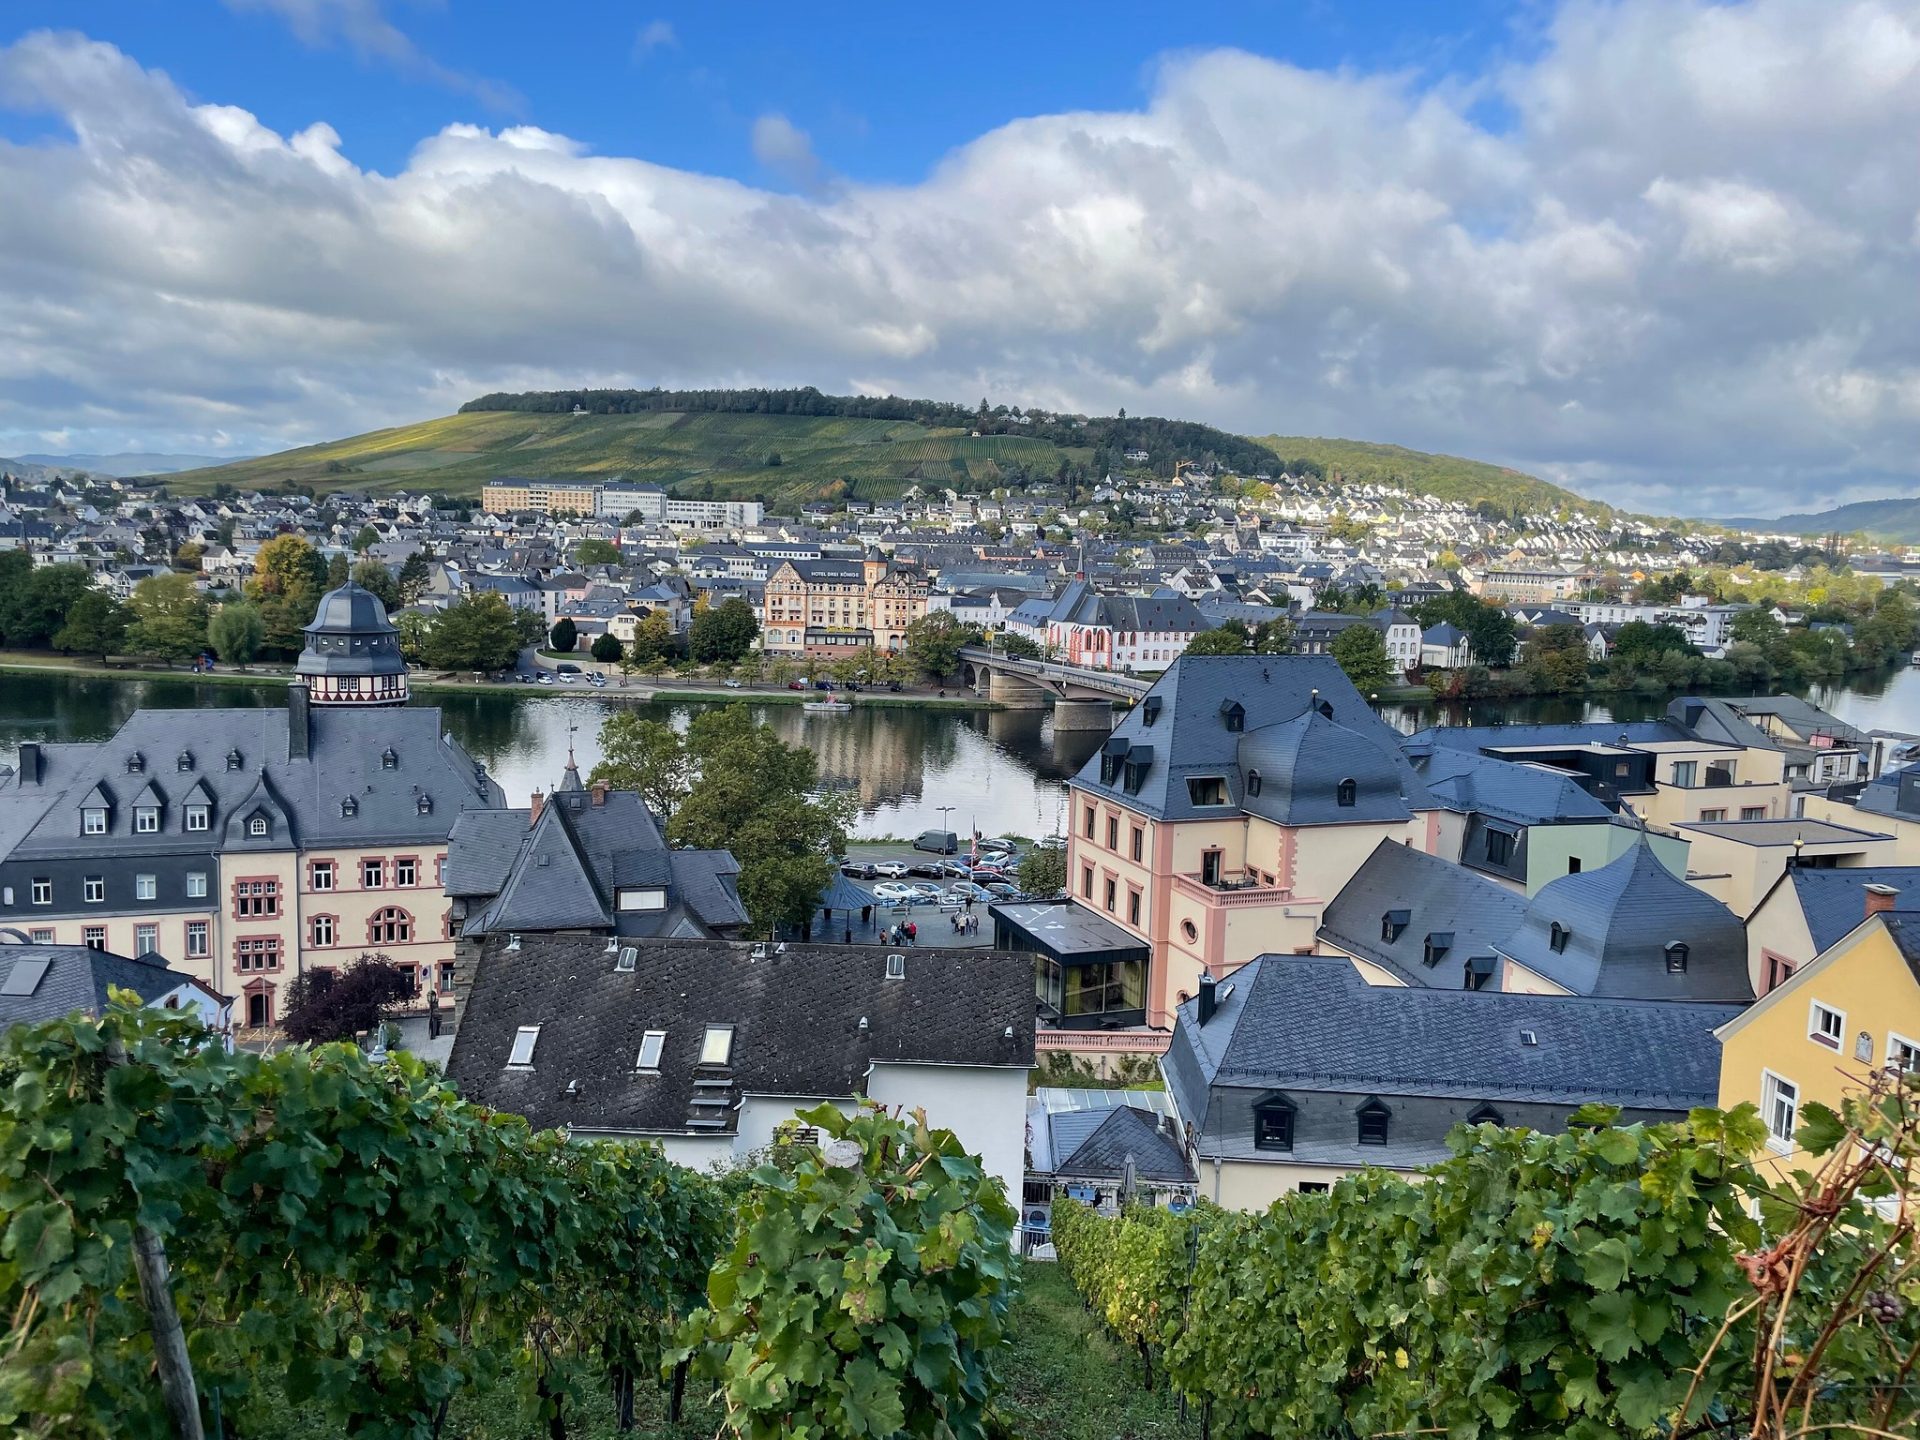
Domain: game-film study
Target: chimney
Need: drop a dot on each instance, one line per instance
(1203, 1008)
(539, 803)
(599, 788)
(29, 762)
(1881, 897)
(299, 723)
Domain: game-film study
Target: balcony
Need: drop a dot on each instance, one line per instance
(1231, 888)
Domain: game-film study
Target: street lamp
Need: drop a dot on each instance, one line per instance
(944, 811)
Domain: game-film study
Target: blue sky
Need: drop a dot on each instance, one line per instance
(1663, 251)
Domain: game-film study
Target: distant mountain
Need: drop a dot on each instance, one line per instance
(128, 463)
(1895, 520)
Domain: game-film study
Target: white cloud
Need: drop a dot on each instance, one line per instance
(654, 35)
(1682, 277)
(363, 27)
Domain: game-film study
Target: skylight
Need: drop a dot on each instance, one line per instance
(717, 1046)
(524, 1039)
(651, 1044)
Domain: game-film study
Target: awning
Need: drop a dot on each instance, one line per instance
(1065, 931)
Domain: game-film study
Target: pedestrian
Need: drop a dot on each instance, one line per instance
(433, 1014)
(913, 933)
(849, 939)
(953, 923)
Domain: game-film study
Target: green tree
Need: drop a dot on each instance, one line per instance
(365, 540)
(475, 633)
(760, 798)
(1273, 637)
(606, 648)
(169, 618)
(35, 602)
(1361, 652)
(373, 576)
(565, 635)
(723, 632)
(934, 641)
(1555, 658)
(96, 624)
(596, 552)
(1490, 631)
(1757, 627)
(529, 625)
(653, 638)
(1020, 647)
(339, 570)
(288, 576)
(414, 575)
(1043, 869)
(1643, 643)
(1230, 637)
(187, 557)
(414, 628)
(647, 757)
(236, 631)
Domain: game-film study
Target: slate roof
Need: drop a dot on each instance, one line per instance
(1189, 737)
(1311, 1022)
(77, 978)
(796, 1019)
(1882, 795)
(1468, 782)
(1835, 901)
(1101, 1153)
(1620, 918)
(1438, 897)
(1572, 733)
(1303, 762)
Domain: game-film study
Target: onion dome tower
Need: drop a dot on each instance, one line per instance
(352, 656)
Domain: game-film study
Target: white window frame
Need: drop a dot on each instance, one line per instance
(1817, 1032)
(323, 875)
(378, 870)
(330, 931)
(146, 887)
(197, 818)
(656, 1041)
(525, 1040)
(93, 821)
(1895, 1038)
(257, 825)
(197, 885)
(716, 1045)
(1770, 1084)
(146, 820)
(152, 931)
(199, 939)
(42, 890)
(93, 890)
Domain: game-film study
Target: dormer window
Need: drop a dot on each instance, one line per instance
(233, 760)
(349, 808)
(1557, 937)
(424, 805)
(1439, 942)
(1479, 972)
(1676, 957)
(389, 760)
(93, 820)
(1253, 782)
(136, 763)
(1273, 1123)
(197, 817)
(1207, 789)
(185, 762)
(1375, 1118)
(146, 819)
(1345, 793)
(1149, 709)
(1485, 1114)
(257, 826)
(1234, 715)
(1393, 923)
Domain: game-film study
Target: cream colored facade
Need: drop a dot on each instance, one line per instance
(1904, 830)
(1697, 780)
(831, 599)
(1738, 870)
(1210, 895)
(538, 498)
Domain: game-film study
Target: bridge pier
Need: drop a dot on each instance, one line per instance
(1014, 692)
(1082, 715)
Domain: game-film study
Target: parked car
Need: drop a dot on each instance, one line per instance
(940, 842)
(858, 869)
(894, 686)
(894, 893)
(597, 679)
(998, 846)
(823, 685)
(966, 890)
(924, 891)
(524, 678)
(569, 679)
(731, 684)
(890, 869)
(1003, 891)
(567, 669)
(543, 678)
(796, 684)
(932, 869)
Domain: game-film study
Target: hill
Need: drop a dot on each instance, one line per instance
(1446, 477)
(125, 463)
(1895, 519)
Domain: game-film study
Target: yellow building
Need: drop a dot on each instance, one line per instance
(539, 496)
(837, 608)
(1738, 861)
(1699, 780)
(1819, 1033)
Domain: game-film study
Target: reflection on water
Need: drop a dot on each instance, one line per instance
(1002, 770)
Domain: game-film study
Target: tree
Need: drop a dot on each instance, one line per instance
(365, 540)
(529, 625)
(652, 638)
(596, 552)
(339, 570)
(35, 603)
(373, 576)
(324, 1007)
(1757, 627)
(188, 556)
(1643, 643)
(1361, 651)
(1273, 637)
(414, 575)
(1555, 657)
(236, 631)
(414, 628)
(1043, 869)
(1230, 637)
(288, 575)
(759, 797)
(934, 641)
(1020, 647)
(1490, 631)
(565, 635)
(607, 648)
(475, 633)
(723, 632)
(647, 757)
(170, 618)
(95, 625)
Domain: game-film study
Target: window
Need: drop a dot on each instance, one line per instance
(1573, 865)
(1273, 1125)
(1087, 825)
(349, 808)
(197, 817)
(1345, 793)
(146, 939)
(1499, 847)
(322, 930)
(446, 977)
(716, 1047)
(1392, 923)
(1189, 931)
(146, 820)
(94, 937)
(257, 826)
(1374, 1120)
(373, 874)
(145, 887)
(253, 953)
(896, 965)
(1826, 1025)
(1902, 1054)
(390, 926)
(197, 939)
(1753, 812)
(388, 759)
(1313, 1187)
(1439, 942)
(1253, 782)
(259, 1008)
(1113, 832)
(1112, 895)
(1780, 1108)
(1712, 815)
(1557, 937)
(1086, 881)
(42, 890)
(1133, 906)
(93, 889)
(651, 1044)
(1683, 771)
(406, 873)
(1486, 1115)
(320, 875)
(197, 885)
(1139, 842)
(524, 1039)
(93, 821)
(626, 960)
(256, 899)
(1207, 790)
(1676, 957)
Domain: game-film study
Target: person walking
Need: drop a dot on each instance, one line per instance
(913, 933)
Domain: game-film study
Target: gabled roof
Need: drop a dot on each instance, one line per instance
(1439, 898)
(75, 977)
(1834, 901)
(1101, 1152)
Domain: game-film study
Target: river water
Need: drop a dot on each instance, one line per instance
(1002, 770)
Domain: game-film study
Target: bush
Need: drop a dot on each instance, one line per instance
(607, 649)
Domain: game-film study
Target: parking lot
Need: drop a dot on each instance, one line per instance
(902, 885)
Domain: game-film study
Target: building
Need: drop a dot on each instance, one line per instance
(1822, 1030)
(541, 497)
(1120, 632)
(46, 982)
(1807, 911)
(1316, 630)
(1889, 804)
(1738, 861)
(616, 502)
(705, 1047)
(1296, 1071)
(835, 608)
(1226, 809)
(588, 860)
(1087, 1144)
(1535, 584)
(248, 846)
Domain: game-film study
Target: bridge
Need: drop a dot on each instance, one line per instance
(1082, 699)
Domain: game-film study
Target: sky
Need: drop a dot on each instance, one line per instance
(1666, 252)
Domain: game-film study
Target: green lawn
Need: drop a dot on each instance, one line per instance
(1065, 1381)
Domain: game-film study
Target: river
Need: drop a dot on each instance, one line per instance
(1004, 771)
